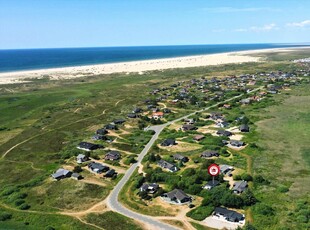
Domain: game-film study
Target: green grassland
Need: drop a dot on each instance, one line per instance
(112, 220)
(284, 55)
(66, 195)
(24, 220)
(284, 161)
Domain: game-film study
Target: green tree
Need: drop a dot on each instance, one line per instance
(264, 209)
(139, 180)
(260, 180)
(5, 216)
(87, 154)
(249, 227)
(245, 120)
(24, 206)
(144, 195)
(77, 169)
(152, 157)
(246, 177)
(49, 228)
(19, 202)
(232, 201)
(248, 197)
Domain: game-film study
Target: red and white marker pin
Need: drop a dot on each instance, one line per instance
(213, 171)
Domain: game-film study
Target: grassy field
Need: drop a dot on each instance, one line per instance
(113, 220)
(67, 195)
(200, 227)
(284, 55)
(24, 220)
(284, 161)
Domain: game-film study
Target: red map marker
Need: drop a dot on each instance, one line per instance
(214, 170)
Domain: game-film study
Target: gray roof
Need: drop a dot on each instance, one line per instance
(240, 186)
(166, 165)
(177, 194)
(113, 155)
(244, 127)
(88, 146)
(60, 173)
(236, 143)
(75, 175)
(80, 156)
(188, 127)
(209, 153)
(225, 168)
(179, 157)
(97, 166)
(168, 142)
(229, 214)
(211, 184)
(223, 133)
(146, 187)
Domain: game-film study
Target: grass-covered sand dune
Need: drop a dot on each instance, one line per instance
(285, 161)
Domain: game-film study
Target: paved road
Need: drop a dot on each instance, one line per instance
(112, 200)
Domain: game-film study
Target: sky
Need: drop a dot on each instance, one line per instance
(100, 23)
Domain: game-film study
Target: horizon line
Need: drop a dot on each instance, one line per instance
(126, 46)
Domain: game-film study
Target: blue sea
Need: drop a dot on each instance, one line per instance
(31, 59)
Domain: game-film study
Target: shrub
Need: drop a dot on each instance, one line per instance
(8, 191)
(249, 227)
(231, 200)
(223, 152)
(246, 177)
(24, 206)
(200, 213)
(248, 197)
(264, 209)
(15, 196)
(144, 195)
(138, 181)
(237, 177)
(19, 202)
(130, 160)
(151, 132)
(283, 189)
(22, 195)
(95, 156)
(260, 180)
(77, 169)
(5, 216)
(302, 219)
(49, 228)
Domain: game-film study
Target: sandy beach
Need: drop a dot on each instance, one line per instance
(137, 66)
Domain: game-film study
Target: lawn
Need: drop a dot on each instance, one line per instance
(113, 220)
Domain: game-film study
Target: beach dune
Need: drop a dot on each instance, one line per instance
(136, 66)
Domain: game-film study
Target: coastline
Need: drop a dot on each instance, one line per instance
(139, 66)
